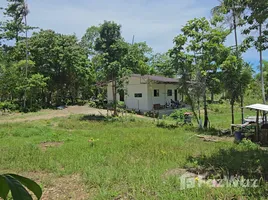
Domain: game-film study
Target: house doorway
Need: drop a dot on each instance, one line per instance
(176, 95)
(121, 95)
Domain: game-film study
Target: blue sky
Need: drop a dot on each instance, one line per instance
(154, 21)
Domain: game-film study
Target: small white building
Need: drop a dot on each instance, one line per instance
(147, 92)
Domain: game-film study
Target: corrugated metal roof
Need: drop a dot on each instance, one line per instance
(262, 107)
(157, 78)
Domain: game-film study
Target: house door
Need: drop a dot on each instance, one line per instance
(176, 95)
(121, 95)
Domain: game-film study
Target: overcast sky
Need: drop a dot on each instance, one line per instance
(153, 21)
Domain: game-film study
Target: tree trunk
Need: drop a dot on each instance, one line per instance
(232, 110)
(205, 111)
(198, 105)
(242, 108)
(114, 97)
(237, 56)
(211, 97)
(192, 107)
(261, 67)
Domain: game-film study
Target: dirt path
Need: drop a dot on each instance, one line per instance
(49, 114)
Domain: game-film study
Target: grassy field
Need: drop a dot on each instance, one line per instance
(85, 157)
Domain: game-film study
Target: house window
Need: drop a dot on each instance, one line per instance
(138, 95)
(156, 93)
(169, 93)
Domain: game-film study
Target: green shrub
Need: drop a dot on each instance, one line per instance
(152, 114)
(92, 104)
(7, 106)
(178, 115)
(248, 145)
(35, 108)
(165, 124)
(81, 102)
(121, 104)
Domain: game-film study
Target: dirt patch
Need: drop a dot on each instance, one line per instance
(50, 114)
(45, 145)
(209, 138)
(60, 188)
(179, 172)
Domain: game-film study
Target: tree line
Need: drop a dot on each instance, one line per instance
(50, 69)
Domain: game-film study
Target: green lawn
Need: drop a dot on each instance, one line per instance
(131, 159)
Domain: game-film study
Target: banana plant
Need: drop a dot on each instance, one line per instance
(16, 184)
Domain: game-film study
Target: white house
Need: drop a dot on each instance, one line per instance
(146, 92)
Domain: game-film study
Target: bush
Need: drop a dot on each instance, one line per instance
(81, 102)
(121, 104)
(92, 104)
(165, 124)
(178, 115)
(35, 108)
(248, 145)
(152, 114)
(7, 106)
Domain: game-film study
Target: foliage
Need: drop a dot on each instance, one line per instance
(197, 54)
(7, 106)
(236, 78)
(15, 184)
(178, 115)
(111, 50)
(88, 41)
(92, 104)
(248, 145)
(137, 58)
(162, 64)
(14, 26)
(61, 62)
(152, 114)
(257, 20)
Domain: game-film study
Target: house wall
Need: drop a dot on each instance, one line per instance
(134, 86)
(163, 98)
(110, 93)
(146, 102)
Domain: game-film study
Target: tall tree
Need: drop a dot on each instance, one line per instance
(257, 20)
(183, 64)
(15, 25)
(88, 40)
(206, 43)
(233, 77)
(163, 65)
(232, 12)
(112, 50)
(137, 58)
(63, 60)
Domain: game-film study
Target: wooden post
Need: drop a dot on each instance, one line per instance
(257, 128)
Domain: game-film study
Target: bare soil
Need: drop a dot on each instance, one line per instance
(49, 114)
(60, 188)
(56, 187)
(44, 145)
